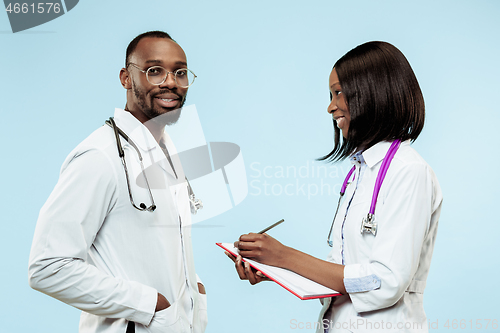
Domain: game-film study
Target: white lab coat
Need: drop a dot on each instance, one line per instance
(385, 275)
(96, 252)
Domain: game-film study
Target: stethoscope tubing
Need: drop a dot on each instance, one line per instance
(196, 204)
(378, 184)
(121, 153)
(382, 172)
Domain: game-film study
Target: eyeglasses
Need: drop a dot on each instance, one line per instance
(156, 75)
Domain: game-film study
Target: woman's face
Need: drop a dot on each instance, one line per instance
(338, 105)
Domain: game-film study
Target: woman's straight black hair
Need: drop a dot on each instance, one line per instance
(383, 98)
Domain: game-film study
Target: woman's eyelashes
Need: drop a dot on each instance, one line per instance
(336, 93)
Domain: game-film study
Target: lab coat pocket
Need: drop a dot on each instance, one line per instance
(164, 321)
(202, 319)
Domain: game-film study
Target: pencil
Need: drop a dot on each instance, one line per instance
(272, 226)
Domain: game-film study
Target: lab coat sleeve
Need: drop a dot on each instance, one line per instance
(403, 221)
(67, 226)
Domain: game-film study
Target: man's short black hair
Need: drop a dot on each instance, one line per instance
(382, 95)
(133, 44)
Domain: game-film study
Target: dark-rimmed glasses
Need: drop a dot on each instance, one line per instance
(156, 75)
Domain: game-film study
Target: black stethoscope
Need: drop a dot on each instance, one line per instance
(196, 204)
(368, 224)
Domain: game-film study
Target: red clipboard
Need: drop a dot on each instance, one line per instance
(261, 267)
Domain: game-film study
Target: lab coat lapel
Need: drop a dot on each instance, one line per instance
(170, 150)
(165, 164)
(144, 140)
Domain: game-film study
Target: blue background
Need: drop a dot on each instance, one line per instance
(262, 83)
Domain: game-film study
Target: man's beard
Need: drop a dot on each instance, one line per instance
(161, 117)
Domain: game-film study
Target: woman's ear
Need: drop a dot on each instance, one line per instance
(125, 79)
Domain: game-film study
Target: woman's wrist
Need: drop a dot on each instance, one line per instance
(288, 257)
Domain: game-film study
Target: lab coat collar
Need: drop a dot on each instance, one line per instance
(166, 142)
(376, 153)
(143, 138)
(139, 133)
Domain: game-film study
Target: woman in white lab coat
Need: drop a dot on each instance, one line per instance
(380, 262)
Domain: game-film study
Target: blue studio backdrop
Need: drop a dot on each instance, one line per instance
(262, 84)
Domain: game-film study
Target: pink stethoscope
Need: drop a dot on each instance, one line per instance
(368, 225)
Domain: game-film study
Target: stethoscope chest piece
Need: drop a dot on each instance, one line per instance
(368, 225)
(196, 204)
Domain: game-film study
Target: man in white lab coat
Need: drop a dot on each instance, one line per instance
(120, 249)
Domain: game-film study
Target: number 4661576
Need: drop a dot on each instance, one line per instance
(41, 8)
(470, 324)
